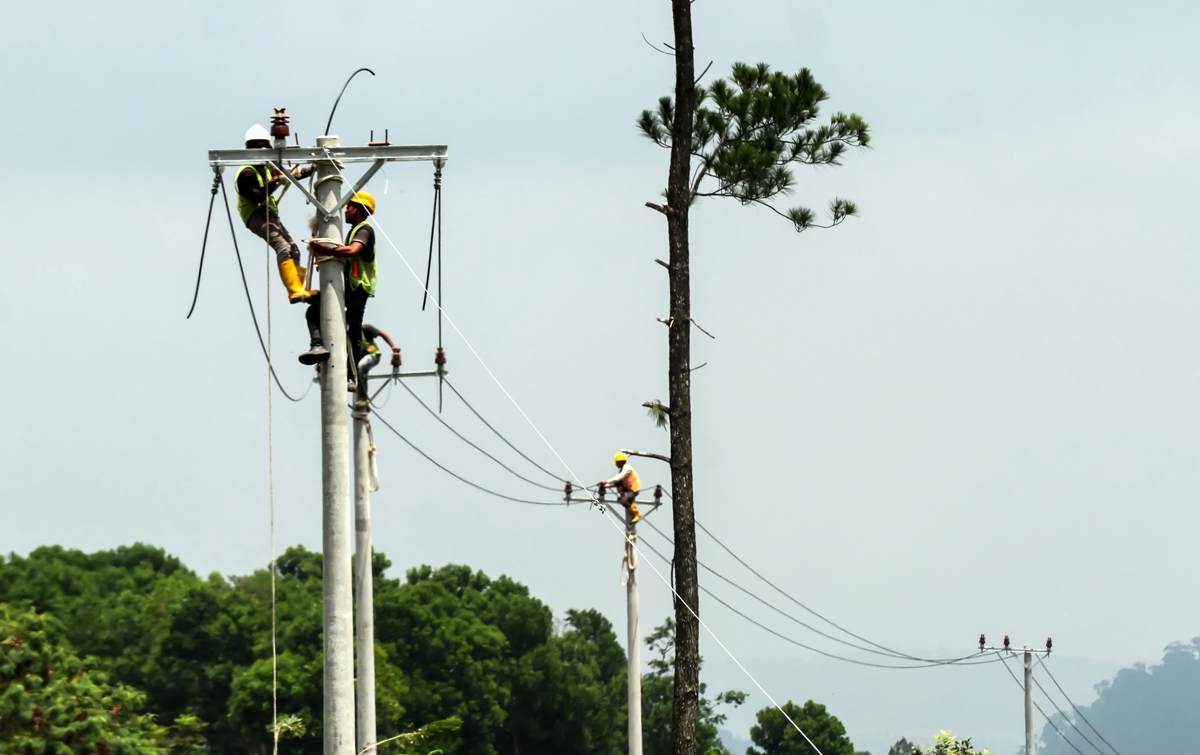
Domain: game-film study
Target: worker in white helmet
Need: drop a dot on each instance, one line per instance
(259, 210)
(627, 482)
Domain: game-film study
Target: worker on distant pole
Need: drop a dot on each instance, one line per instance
(259, 210)
(371, 353)
(627, 481)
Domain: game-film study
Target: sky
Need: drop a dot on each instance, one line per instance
(971, 409)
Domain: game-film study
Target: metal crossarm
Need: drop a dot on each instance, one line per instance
(221, 158)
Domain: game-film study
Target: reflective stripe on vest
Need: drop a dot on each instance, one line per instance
(361, 274)
(631, 484)
(246, 206)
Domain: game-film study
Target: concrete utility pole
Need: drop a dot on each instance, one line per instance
(365, 482)
(339, 714)
(1027, 654)
(633, 637)
(335, 472)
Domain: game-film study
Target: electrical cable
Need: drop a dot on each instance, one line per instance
(459, 435)
(1035, 705)
(752, 570)
(963, 661)
(883, 651)
(459, 477)
(497, 432)
(1042, 663)
(262, 344)
(1064, 716)
(329, 123)
(204, 245)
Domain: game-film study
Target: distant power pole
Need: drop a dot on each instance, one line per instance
(338, 613)
(1028, 653)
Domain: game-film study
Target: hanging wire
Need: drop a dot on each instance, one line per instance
(1046, 668)
(329, 123)
(250, 302)
(460, 436)
(1071, 744)
(495, 431)
(460, 478)
(204, 244)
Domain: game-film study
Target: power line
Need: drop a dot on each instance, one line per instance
(246, 286)
(1076, 707)
(1039, 708)
(926, 663)
(460, 436)
(1064, 716)
(785, 594)
(459, 477)
(497, 432)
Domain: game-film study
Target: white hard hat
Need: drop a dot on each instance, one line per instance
(256, 133)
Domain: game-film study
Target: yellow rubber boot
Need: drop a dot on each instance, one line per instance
(293, 281)
(636, 514)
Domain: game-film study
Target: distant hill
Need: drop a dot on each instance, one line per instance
(1144, 710)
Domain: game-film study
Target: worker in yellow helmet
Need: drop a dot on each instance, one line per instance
(361, 267)
(259, 210)
(627, 482)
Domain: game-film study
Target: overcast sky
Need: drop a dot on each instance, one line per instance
(974, 408)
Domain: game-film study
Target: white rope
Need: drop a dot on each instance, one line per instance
(595, 501)
(271, 472)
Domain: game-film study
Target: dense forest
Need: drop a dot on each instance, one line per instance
(130, 649)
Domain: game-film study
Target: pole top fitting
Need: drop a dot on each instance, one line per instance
(329, 141)
(279, 127)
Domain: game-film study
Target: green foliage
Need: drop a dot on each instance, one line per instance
(52, 702)
(946, 744)
(775, 735)
(659, 413)
(451, 643)
(658, 695)
(751, 128)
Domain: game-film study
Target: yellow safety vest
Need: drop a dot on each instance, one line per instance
(361, 274)
(631, 484)
(247, 207)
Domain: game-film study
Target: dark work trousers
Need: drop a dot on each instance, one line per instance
(628, 498)
(356, 305)
(312, 316)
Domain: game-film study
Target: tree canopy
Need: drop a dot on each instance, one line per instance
(775, 735)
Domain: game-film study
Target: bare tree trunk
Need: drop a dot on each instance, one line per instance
(687, 625)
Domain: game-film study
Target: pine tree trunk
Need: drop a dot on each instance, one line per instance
(687, 625)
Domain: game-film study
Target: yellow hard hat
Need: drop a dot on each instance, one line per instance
(620, 457)
(365, 199)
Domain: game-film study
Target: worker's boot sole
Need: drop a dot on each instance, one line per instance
(302, 297)
(315, 355)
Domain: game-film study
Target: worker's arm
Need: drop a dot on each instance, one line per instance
(625, 470)
(346, 251)
(385, 337)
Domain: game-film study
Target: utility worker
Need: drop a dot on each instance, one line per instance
(371, 352)
(361, 270)
(627, 481)
(259, 210)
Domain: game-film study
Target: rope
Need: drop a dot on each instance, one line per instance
(204, 244)
(459, 435)
(271, 495)
(245, 286)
